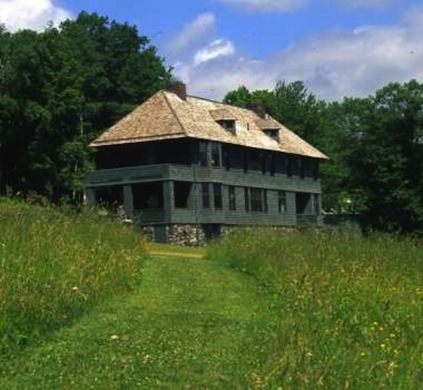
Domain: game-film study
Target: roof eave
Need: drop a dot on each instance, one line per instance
(135, 140)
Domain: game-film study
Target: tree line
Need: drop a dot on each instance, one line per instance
(60, 88)
(375, 145)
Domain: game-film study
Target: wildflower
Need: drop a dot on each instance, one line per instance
(75, 288)
(114, 337)
(146, 359)
(383, 346)
(391, 368)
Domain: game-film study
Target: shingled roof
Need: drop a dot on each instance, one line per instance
(165, 116)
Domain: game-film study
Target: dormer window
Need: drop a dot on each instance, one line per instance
(269, 127)
(225, 119)
(228, 125)
(272, 133)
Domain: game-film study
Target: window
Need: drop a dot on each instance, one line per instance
(181, 191)
(282, 202)
(254, 160)
(205, 193)
(232, 198)
(217, 192)
(202, 154)
(289, 166)
(257, 200)
(272, 133)
(215, 155)
(227, 159)
(228, 125)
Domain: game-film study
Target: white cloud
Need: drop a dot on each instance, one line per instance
(217, 48)
(268, 5)
(333, 65)
(32, 14)
(192, 33)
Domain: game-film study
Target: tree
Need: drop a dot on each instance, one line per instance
(386, 159)
(59, 89)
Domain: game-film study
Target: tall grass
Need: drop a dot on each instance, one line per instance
(349, 309)
(53, 268)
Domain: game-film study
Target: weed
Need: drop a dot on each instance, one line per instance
(349, 308)
(53, 268)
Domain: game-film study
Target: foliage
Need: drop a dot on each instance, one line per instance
(54, 267)
(59, 89)
(374, 144)
(349, 308)
(387, 147)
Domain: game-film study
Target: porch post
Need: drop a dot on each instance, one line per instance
(89, 197)
(313, 204)
(128, 200)
(168, 200)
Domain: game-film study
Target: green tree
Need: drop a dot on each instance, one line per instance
(385, 159)
(59, 89)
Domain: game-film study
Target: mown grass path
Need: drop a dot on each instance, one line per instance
(191, 324)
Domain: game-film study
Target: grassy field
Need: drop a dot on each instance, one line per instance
(262, 310)
(349, 309)
(191, 324)
(53, 268)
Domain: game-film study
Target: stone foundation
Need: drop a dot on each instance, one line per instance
(183, 235)
(186, 235)
(196, 235)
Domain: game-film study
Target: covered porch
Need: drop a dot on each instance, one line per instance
(148, 202)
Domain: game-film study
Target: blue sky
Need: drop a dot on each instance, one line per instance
(338, 47)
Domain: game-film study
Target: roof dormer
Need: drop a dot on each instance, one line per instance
(225, 119)
(269, 127)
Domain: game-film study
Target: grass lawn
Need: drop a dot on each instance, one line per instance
(175, 250)
(191, 324)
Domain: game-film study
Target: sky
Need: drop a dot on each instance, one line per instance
(337, 47)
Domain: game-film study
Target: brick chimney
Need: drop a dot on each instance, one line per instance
(179, 88)
(259, 108)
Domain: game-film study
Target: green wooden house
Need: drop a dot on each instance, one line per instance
(188, 168)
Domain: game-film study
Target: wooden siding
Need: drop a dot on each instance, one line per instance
(194, 213)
